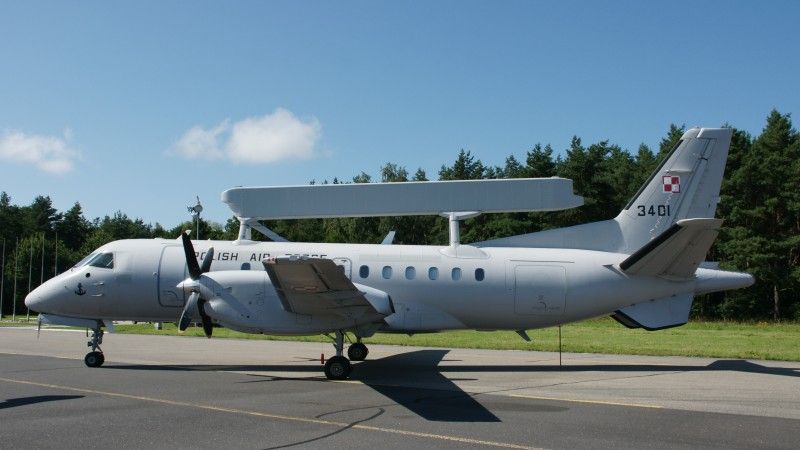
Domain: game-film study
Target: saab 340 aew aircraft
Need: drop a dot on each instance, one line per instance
(643, 267)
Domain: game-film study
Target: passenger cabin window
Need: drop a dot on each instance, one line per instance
(479, 274)
(456, 273)
(433, 273)
(363, 271)
(102, 260)
(387, 272)
(411, 273)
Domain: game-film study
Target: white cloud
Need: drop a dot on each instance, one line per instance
(48, 153)
(201, 143)
(264, 139)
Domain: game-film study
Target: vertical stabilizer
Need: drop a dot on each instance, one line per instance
(685, 186)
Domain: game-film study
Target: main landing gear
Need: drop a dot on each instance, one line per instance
(338, 367)
(95, 357)
(357, 351)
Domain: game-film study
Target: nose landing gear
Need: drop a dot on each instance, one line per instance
(95, 357)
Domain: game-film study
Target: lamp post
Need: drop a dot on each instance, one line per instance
(2, 279)
(195, 212)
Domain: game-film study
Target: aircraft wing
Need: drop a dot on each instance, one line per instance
(318, 286)
(675, 253)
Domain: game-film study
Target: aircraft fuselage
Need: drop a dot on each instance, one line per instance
(432, 288)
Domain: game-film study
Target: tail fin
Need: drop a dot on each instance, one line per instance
(685, 186)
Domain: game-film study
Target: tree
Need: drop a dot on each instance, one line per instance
(419, 175)
(670, 140)
(41, 216)
(392, 173)
(73, 228)
(539, 162)
(465, 167)
(759, 198)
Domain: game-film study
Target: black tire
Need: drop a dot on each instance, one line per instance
(357, 352)
(94, 359)
(337, 368)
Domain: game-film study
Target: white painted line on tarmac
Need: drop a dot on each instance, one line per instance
(597, 402)
(432, 436)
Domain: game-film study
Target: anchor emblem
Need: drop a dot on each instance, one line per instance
(80, 290)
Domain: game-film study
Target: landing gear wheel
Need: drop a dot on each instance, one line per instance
(337, 368)
(94, 359)
(357, 352)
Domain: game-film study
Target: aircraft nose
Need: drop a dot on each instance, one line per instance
(37, 300)
(33, 301)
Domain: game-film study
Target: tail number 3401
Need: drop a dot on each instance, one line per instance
(654, 210)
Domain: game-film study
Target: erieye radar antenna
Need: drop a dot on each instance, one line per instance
(195, 212)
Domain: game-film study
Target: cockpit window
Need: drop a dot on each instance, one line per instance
(104, 260)
(86, 259)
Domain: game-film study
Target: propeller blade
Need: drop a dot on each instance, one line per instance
(191, 259)
(208, 327)
(206, 266)
(186, 317)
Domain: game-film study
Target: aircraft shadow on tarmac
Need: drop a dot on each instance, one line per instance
(416, 379)
(22, 401)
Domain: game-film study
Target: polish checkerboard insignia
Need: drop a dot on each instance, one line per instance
(671, 184)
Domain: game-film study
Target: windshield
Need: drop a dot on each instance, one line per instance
(85, 260)
(97, 259)
(104, 260)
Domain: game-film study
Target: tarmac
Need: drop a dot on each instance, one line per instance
(168, 392)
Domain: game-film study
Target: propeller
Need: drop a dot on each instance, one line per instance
(195, 302)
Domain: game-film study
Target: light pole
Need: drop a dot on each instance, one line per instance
(30, 274)
(195, 212)
(2, 279)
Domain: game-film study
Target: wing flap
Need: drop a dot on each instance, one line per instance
(318, 286)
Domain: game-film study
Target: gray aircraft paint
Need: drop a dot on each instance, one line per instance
(529, 281)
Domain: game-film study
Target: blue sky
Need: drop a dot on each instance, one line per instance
(141, 106)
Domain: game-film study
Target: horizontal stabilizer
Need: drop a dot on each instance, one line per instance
(656, 314)
(675, 253)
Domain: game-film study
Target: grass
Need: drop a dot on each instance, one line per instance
(5, 320)
(707, 339)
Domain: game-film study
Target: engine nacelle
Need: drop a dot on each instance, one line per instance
(378, 299)
(238, 298)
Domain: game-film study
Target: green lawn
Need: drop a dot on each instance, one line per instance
(709, 339)
(5, 320)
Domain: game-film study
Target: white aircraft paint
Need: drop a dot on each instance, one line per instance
(633, 267)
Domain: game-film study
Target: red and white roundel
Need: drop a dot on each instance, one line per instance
(672, 184)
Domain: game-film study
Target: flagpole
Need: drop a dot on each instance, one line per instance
(30, 275)
(41, 272)
(14, 301)
(55, 264)
(2, 279)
